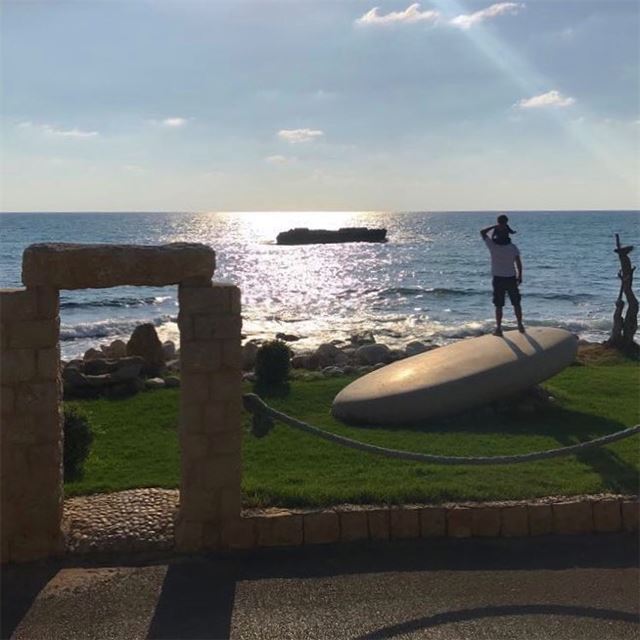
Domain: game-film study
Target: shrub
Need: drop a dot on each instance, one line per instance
(78, 437)
(273, 361)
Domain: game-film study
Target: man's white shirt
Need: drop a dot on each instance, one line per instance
(502, 258)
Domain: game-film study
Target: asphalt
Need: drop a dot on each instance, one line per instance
(562, 587)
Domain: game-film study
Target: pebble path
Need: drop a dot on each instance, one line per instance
(136, 520)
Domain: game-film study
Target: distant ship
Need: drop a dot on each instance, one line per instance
(303, 235)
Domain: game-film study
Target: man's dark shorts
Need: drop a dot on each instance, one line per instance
(505, 285)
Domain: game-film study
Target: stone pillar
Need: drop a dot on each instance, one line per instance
(210, 410)
(31, 473)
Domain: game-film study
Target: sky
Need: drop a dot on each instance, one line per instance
(254, 105)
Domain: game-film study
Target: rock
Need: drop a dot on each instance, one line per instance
(349, 370)
(117, 349)
(297, 362)
(287, 337)
(332, 372)
(364, 369)
(358, 339)
(96, 367)
(169, 350)
(92, 354)
(416, 347)
(171, 382)
(144, 342)
(375, 367)
(173, 366)
(83, 266)
(373, 354)
(154, 383)
(249, 352)
(396, 354)
(129, 368)
(326, 354)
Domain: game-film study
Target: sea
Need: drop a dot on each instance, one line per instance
(431, 281)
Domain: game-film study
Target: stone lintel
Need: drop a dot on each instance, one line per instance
(83, 266)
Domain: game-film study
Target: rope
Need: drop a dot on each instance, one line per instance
(264, 417)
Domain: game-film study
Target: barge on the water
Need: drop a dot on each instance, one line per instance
(303, 235)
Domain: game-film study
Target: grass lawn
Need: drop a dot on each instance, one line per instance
(136, 445)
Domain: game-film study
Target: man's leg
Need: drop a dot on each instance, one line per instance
(517, 308)
(498, 331)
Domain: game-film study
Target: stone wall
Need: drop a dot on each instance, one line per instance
(210, 408)
(31, 433)
(210, 404)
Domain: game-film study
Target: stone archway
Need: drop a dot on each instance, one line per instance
(31, 477)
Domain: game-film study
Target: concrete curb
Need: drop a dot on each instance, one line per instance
(349, 523)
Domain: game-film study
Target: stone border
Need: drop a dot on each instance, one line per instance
(349, 523)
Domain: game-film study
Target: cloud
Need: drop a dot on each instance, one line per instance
(468, 20)
(174, 123)
(62, 133)
(277, 159)
(550, 99)
(410, 15)
(294, 136)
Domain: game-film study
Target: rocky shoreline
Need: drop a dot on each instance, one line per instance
(144, 362)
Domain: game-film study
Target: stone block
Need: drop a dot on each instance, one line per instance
(485, 522)
(17, 305)
(379, 524)
(540, 519)
(572, 517)
(194, 387)
(38, 396)
(189, 535)
(433, 522)
(404, 523)
(607, 515)
(213, 299)
(197, 503)
(231, 354)
(226, 384)
(83, 266)
(191, 417)
(34, 428)
(211, 535)
(235, 302)
(630, 510)
(230, 501)
(17, 365)
(223, 471)
(514, 521)
(353, 525)
(185, 325)
(194, 446)
(7, 399)
(459, 522)
(48, 303)
(33, 334)
(200, 357)
(240, 533)
(282, 529)
(321, 528)
(227, 442)
(48, 363)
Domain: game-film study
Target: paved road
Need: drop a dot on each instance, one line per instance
(578, 587)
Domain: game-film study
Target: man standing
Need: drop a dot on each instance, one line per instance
(506, 269)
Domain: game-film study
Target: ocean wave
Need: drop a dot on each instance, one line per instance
(435, 291)
(124, 302)
(107, 328)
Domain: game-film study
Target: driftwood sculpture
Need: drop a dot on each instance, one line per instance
(625, 325)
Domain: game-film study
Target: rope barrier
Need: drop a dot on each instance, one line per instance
(264, 417)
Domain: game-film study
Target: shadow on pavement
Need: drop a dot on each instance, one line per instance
(198, 591)
(465, 615)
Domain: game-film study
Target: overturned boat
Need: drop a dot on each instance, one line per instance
(303, 235)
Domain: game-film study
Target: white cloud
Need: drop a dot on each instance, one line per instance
(410, 15)
(550, 99)
(468, 20)
(174, 122)
(53, 131)
(294, 136)
(277, 159)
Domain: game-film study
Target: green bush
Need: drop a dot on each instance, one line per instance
(273, 361)
(78, 437)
